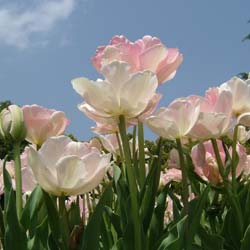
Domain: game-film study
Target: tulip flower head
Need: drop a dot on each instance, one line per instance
(176, 120)
(215, 114)
(205, 164)
(64, 167)
(12, 123)
(42, 123)
(147, 53)
(121, 93)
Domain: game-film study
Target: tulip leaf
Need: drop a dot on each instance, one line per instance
(232, 236)
(210, 241)
(157, 223)
(244, 197)
(39, 241)
(54, 223)
(74, 216)
(32, 206)
(245, 243)
(93, 229)
(175, 238)
(150, 189)
(52, 245)
(195, 211)
(15, 237)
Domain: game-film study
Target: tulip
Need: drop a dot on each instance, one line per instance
(63, 167)
(12, 123)
(147, 53)
(205, 163)
(215, 114)
(42, 123)
(170, 175)
(28, 180)
(173, 159)
(121, 93)
(176, 120)
(240, 90)
(110, 143)
(242, 135)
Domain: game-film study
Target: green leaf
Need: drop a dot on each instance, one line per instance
(150, 189)
(32, 207)
(244, 197)
(229, 232)
(74, 215)
(245, 243)
(93, 229)
(157, 222)
(210, 241)
(54, 223)
(195, 211)
(175, 238)
(15, 237)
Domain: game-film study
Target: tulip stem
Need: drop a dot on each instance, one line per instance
(131, 183)
(18, 180)
(120, 146)
(234, 162)
(232, 198)
(219, 161)
(141, 153)
(64, 220)
(184, 176)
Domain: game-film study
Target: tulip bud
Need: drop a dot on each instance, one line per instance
(12, 123)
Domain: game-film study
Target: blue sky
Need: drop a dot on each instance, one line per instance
(46, 43)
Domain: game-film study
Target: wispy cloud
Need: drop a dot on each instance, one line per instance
(18, 25)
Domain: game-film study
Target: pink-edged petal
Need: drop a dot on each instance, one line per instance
(244, 119)
(151, 57)
(137, 93)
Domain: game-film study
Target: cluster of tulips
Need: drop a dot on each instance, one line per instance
(188, 190)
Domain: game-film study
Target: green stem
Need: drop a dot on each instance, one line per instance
(231, 197)
(18, 180)
(64, 220)
(2, 228)
(134, 144)
(219, 161)
(234, 156)
(131, 183)
(184, 176)
(141, 153)
(120, 146)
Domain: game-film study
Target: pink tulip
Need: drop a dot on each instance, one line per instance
(240, 90)
(168, 175)
(28, 179)
(176, 120)
(174, 159)
(64, 167)
(147, 53)
(205, 163)
(121, 93)
(42, 123)
(215, 114)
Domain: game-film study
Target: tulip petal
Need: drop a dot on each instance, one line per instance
(99, 94)
(152, 57)
(53, 149)
(244, 119)
(137, 93)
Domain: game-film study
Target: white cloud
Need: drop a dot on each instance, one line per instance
(17, 25)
